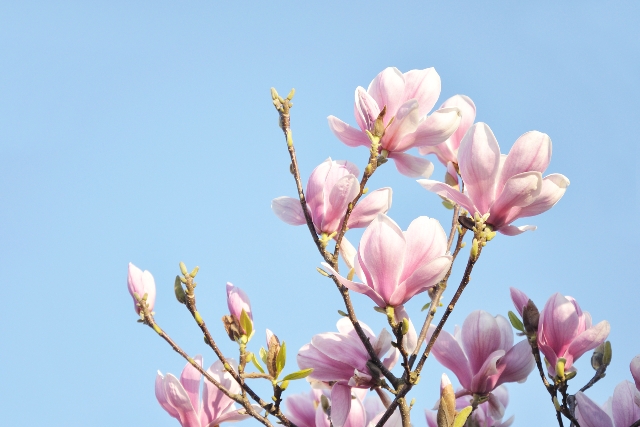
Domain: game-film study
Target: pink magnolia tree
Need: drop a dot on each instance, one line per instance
(358, 378)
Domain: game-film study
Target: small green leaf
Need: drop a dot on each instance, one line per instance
(342, 313)
(180, 295)
(426, 306)
(298, 375)
(281, 360)
(246, 323)
(462, 416)
(515, 322)
(263, 355)
(255, 363)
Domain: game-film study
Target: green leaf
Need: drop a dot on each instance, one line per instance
(515, 321)
(246, 323)
(342, 313)
(304, 373)
(424, 307)
(255, 363)
(462, 416)
(180, 295)
(281, 360)
(263, 355)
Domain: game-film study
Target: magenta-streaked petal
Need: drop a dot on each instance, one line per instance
(424, 86)
(625, 411)
(324, 368)
(444, 190)
(496, 408)
(341, 348)
(301, 409)
(553, 188)
(340, 404)
(426, 239)
(530, 153)
(519, 363)
(512, 230)
(162, 397)
(366, 109)
(467, 110)
(342, 193)
(238, 300)
(635, 370)
(376, 202)
(190, 380)
(422, 279)
(589, 414)
(589, 339)
(387, 88)
(179, 399)
(479, 161)
(485, 379)
(288, 210)
(449, 353)
(519, 298)
(382, 249)
(360, 288)
(520, 190)
(506, 334)
(480, 337)
(399, 135)
(412, 166)
(560, 323)
(437, 128)
(348, 135)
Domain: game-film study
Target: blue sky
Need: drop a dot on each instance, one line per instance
(144, 132)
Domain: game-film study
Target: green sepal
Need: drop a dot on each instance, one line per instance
(424, 307)
(515, 321)
(179, 290)
(263, 355)
(246, 323)
(298, 375)
(255, 362)
(281, 359)
(461, 417)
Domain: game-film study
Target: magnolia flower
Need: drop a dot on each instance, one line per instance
(408, 98)
(565, 331)
(447, 152)
(506, 187)
(395, 265)
(310, 410)
(331, 187)
(237, 301)
(181, 398)
(619, 411)
(484, 415)
(482, 355)
(341, 358)
(635, 370)
(141, 283)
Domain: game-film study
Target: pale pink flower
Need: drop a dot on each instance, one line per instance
(305, 410)
(506, 187)
(618, 411)
(341, 358)
(565, 331)
(181, 398)
(482, 354)
(408, 98)
(488, 414)
(141, 283)
(331, 187)
(237, 301)
(447, 152)
(395, 265)
(635, 370)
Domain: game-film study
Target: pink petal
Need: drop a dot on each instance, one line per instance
(444, 152)
(162, 397)
(232, 416)
(553, 188)
(625, 411)
(179, 399)
(412, 166)
(480, 337)
(496, 408)
(376, 202)
(467, 110)
(410, 339)
(301, 409)
(422, 279)
(324, 368)
(316, 187)
(444, 190)
(340, 404)
(589, 339)
(560, 322)
(366, 109)
(348, 252)
(288, 210)
(426, 240)
(479, 161)
(342, 193)
(530, 153)
(149, 288)
(360, 288)
(519, 190)
(487, 375)
(190, 380)
(506, 334)
(448, 352)
(357, 415)
(437, 128)
(398, 136)
(635, 370)
(518, 362)
(590, 414)
(424, 86)
(348, 135)
(512, 230)
(519, 298)
(432, 418)
(387, 88)
(341, 348)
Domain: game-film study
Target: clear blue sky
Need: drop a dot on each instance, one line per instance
(144, 132)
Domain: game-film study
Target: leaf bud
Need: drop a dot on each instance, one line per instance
(405, 326)
(515, 322)
(194, 271)
(183, 269)
(530, 318)
(179, 291)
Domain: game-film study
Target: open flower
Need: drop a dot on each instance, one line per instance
(181, 398)
(141, 283)
(618, 411)
(341, 358)
(331, 187)
(565, 331)
(395, 265)
(482, 354)
(506, 187)
(408, 98)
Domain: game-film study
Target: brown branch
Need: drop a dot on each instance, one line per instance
(600, 374)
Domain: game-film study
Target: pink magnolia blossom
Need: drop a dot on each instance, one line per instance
(331, 187)
(565, 331)
(305, 410)
(237, 301)
(408, 98)
(395, 265)
(141, 283)
(181, 398)
(341, 358)
(486, 415)
(447, 152)
(482, 354)
(618, 411)
(506, 187)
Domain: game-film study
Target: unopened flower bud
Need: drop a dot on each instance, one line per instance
(447, 406)
(530, 318)
(141, 283)
(273, 348)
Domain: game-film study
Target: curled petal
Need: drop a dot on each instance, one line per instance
(399, 135)
(162, 397)
(361, 288)
(519, 363)
(487, 376)
(377, 202)
(446, 191)
(531, 152)
(366, 109)
(437, 128)
(512, 230)
(422, 279)
(553, 188)
(424, 86)
(348, 135)
(520, 190)
(412, 166)
(589, 339)
(288, 210)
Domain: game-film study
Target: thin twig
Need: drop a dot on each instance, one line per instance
(405, 415)
(600, 374)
